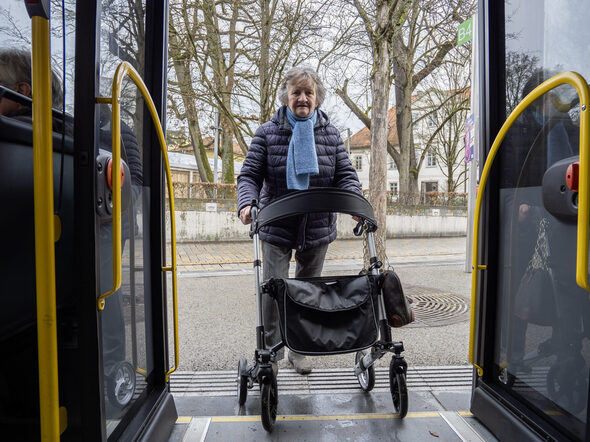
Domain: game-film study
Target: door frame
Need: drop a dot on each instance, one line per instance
(154, 414)
(504, 414)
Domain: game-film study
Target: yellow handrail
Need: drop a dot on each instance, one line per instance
(123, 70)
(44, 232)
(577, 81)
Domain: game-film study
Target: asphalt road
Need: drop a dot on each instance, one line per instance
(217, 318)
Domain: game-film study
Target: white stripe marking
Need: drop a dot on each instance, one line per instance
(459, 426)
(197, 429)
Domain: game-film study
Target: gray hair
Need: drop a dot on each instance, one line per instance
(296, 74)
(15, 67)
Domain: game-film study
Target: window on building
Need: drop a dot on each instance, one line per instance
(430, 158)
(393, 191)
(358, 162)
(432, 119)
(391, 164)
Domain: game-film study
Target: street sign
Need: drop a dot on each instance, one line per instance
(464, 32)
(469, 138)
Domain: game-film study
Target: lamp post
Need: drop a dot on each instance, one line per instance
(217, 129)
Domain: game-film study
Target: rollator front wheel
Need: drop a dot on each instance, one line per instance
(399, 390)
(269, 400)
(366, 377)
(242, 381)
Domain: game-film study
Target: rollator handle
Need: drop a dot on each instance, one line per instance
(254, 217)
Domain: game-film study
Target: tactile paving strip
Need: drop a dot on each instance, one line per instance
(223, 383)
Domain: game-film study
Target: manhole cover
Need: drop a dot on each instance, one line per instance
(432, 308)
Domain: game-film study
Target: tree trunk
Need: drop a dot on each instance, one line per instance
(264, 62)
(227, 152)
(223, 83)
(379, 130)
(187, 93)
(408, 170)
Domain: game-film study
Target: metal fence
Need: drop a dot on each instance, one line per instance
(197, 194)
(435, 199)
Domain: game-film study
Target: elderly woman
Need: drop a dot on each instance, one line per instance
(297, 149)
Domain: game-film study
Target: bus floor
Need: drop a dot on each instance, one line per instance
(437, 411)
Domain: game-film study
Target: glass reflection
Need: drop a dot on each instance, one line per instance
(542, 351)
(125, 330)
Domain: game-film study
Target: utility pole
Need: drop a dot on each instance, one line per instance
(216, 130)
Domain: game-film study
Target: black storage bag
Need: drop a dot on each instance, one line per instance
(326, 315)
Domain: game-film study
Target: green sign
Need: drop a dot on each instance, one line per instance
(464, 32)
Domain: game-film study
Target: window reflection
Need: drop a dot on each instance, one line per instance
(125, 321)
(542, 351)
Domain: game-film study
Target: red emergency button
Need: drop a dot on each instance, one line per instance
(110, 174)
(572, 176)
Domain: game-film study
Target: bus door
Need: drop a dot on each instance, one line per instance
(534, 320)
(112, 343)
(131, 52)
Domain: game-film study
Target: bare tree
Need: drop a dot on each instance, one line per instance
(429, 34)
(445, 107)
(123, 39)
(230, 55)
(382, 21)
(519, 68)
(183, 86)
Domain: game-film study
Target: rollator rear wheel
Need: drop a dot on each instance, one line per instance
(269, 400)
(399, 390)
(242, 381)
(121, 385)
(366, 378)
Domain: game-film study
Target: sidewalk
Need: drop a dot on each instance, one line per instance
(208, 256)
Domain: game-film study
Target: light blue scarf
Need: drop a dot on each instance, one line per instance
(302, 159)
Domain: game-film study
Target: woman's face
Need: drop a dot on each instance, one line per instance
(8, 107)
(302, 99)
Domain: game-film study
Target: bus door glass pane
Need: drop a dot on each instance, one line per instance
(542, 351)
(125, 321)
(19, 401)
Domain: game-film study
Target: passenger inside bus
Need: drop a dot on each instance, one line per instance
(15, 74)
(545, 302)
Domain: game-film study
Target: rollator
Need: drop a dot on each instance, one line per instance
(323, 315)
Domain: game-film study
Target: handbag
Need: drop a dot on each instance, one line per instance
(535, 296)
(397, 308)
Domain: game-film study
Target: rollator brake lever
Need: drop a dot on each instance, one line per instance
(358, 230)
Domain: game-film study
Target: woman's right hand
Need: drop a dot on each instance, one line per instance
(245, 215)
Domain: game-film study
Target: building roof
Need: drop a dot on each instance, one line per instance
(363, 137)
(188, 162)
(210, 146)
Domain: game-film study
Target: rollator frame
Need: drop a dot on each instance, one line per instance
(300, 203)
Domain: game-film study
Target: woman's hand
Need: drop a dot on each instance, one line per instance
(356, 218)
(523, 212)
(245, 215)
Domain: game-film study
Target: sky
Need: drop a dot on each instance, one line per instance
(333, 105)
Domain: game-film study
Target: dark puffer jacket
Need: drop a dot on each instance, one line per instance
(263, 177)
